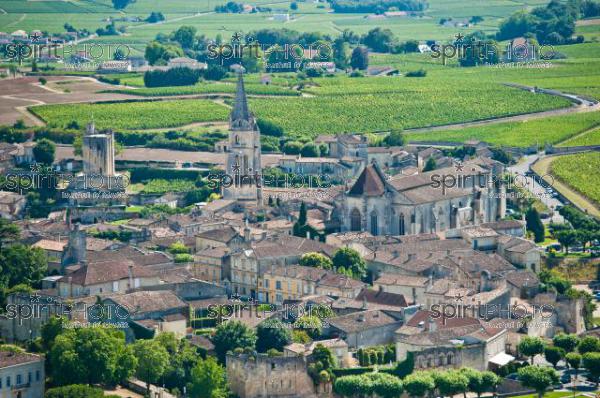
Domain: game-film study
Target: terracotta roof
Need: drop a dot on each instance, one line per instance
(381, 297)
(224, 235)
(360, 321)
(51, 245)
(107, 271)
(402, 280)
(149, 301)
(371, 182)
(9, 358)
(522, 278)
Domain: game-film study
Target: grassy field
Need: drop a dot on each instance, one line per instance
(579, 172)
(521, 134)
(380, 104)
(207, 88)
(588, 138)
(133, 115)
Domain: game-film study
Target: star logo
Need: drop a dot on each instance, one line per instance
(236, 37)
(236, 297)
(235, 168)
(35, 167)
(36, 36)
(458, 297)
(458, 166)
(35, 298)
(459, 37)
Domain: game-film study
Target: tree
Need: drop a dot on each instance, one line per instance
(351, 260)
(394, 138)
(379, 40)
(272, 333)
(588, 344)
(310, 150)
(553, 355)
(208, 380)
(51, 330)
(574, 361)
(591, 362)
(231, 335)
(537, 377)
(23, 265)
(419, 384)
(185, 36)
(311, 324)
(534, 224)
(44, 151)
(91, 356)
(340, 53)
(294, 6)
(480, 382)
(385, 385)
(121, 4)
(567, 342)
(359, 58)
(531, 346)
(302, 217)
(451, 382)
(316, 260)
(292, 148)
(153, 360)
(567, 239)
(430, 165)
(323, 355)
(9, 232)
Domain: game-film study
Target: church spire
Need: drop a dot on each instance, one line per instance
(240, 107)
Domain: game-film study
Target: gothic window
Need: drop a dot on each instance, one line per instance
(441, 360)
(237, 139)
(449, 359)
(401, 226)
(374, 226)
(355, 220)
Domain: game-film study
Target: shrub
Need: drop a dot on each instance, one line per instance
(171, 77)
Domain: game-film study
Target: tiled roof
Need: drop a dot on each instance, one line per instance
(223, 235)
(360, 321)
(107, 271)
(371, 182)
(10, 358)
(149, 301)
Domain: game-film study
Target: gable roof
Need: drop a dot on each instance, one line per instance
(371, 182)
(106, 271)
(360, 321)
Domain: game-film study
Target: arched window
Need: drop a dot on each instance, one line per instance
(237, 139)
(355, 220)
(374, 226)
(441, 360)
(401, 227)
(449, 361)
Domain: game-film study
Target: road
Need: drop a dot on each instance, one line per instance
(536, 186)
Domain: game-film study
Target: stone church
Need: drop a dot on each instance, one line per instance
(243, 156)
(408, 205)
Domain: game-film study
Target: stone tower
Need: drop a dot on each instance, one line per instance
(98, 152)
(75, 252)
(243, 157)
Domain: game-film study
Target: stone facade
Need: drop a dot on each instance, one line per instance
(243, 157)
(263, 376)
(408, 205)
(21, 375)
(98, 152)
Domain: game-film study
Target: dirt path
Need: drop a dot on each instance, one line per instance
(542, 167)
(566, 141)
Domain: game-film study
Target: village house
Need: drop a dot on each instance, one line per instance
(209, 265)
(520, 252)
(365, 328)
(338, 347)
(113, 276)
(221, 237)
(12, 205)
(21, 375)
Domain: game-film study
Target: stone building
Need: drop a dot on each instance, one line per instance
(261, 376)
(98, 152)
(21, 375)
(408, 205)
(243, 157)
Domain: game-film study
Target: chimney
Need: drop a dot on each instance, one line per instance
(432, 325)
(130, 276)
(361, 317)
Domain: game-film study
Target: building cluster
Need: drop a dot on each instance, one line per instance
(444, 265)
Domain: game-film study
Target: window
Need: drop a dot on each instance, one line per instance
(267, 283)
(19, 380)
(136, 282)
(355, 220)
(401, 228)
(29, 377)
(115, 286)
(374, 226)
(289, 286)
(37, 375)
(278, 285)
(8, 381)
